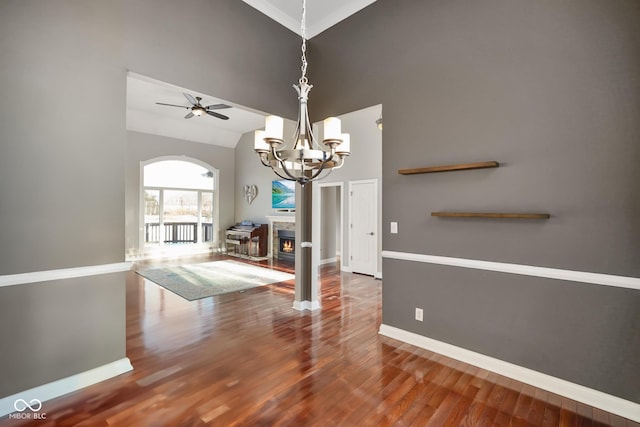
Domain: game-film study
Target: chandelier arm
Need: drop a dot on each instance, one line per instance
(293, 177)
(339, 163)
(315, 174)
(263, 160)
(332, 154)
(283, 163)
(288, 178)
(320, 169)
(296, 132)
(312, 139)
(275, 155)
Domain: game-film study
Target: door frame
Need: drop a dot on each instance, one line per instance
(340, 187)
(373, 181)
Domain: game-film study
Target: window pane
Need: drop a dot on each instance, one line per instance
(181, 206)
(206, 217)
(151, 216)
(180, 216)
(177, 174)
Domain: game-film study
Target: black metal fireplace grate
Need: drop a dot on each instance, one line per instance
(286, 245)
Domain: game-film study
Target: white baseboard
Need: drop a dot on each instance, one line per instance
(328, 261)
(65, 385)
(378, 275)
(346, 269)
(306, 305)
(588, 396)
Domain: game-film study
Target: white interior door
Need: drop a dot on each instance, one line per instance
(363, 224)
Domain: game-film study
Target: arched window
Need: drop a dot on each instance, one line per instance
(179, 205)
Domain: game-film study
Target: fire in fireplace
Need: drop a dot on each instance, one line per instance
(286, 245)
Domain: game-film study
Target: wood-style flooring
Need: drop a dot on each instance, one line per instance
(249, 359)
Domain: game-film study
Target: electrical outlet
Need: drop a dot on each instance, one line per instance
(419, 314)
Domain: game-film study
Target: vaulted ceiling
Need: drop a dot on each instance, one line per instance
(321, 14)
(144, 115)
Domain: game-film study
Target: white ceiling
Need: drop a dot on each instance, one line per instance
(143, 115)
(321, 14)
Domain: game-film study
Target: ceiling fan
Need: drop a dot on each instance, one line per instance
(198, 110)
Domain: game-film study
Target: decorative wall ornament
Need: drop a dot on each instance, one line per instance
(250, 193)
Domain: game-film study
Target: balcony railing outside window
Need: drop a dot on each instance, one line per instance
(177, 232)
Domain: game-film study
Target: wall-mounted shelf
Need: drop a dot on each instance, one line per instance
(468, 166)
(491, 215)
(449, 168)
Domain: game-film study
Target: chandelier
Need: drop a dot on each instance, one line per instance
(303, 159)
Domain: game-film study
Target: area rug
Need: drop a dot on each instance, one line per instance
(196, 281)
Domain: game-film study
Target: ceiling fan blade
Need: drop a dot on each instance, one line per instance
(188, 116)
(171, 105)
(217, 106)
(218, 115)
(190, 98)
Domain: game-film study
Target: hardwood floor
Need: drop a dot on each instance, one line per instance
(248, 359)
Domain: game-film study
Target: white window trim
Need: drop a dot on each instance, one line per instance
(143, 250)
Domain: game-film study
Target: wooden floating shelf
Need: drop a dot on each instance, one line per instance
(449, 168)
(491, 215)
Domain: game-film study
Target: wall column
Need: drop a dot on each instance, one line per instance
(306, 292)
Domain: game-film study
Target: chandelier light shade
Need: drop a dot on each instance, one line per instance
(302, 159)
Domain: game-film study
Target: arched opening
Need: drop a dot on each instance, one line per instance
(179, 206)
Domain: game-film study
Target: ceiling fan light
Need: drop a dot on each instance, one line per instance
(197, 112)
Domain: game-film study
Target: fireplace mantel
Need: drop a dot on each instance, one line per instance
(273, 219)
(281, 218)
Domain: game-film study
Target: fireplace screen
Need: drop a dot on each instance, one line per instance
(286, 245)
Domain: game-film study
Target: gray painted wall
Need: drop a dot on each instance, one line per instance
(61, 161)
(569, 330)
(143, 147)
(55, 329)
(550, 90)
(63, 148)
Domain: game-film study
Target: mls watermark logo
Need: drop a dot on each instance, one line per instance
(28, 410)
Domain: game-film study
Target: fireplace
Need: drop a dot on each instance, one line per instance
(286, 245)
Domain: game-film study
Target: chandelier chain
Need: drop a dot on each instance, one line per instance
(304, 78)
